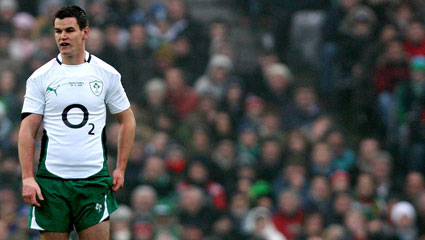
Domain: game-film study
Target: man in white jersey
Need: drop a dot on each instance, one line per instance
(69, 95)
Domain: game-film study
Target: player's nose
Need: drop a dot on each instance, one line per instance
(63, 35)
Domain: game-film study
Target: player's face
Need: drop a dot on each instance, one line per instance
(69, 37)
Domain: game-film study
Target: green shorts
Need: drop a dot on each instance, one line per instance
(72, 203)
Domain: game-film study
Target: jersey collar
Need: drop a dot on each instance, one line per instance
(87, 58)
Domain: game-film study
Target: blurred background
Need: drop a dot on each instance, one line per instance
(257, 119)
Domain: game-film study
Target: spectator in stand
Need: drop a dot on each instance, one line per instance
(223, 228)
(224, 156)
(335, 232)
(139, 65)
(357, 31)
(143, 230)
(303, 110)
(176, 160)
(270, 125)
(297, 147)
(6, 60)
(155, 98)
(8, 94)
(166, 226)
(356, 225)
(319, 129)
(321, 160)
(279, 80)
(223, 126)
(233, 99)
(420, 210)
(185, 59)
(340, 181)
(289, 217)
(125, 12)
(121, 223)
(219, 37)
(258, 224)
(183, 24)
(205, 112)
(98, 12)
(381, 170)
(414, 185)
(365, 198)
(408, 94)
(294, 176)
(216, 77)
(368, 147)
(6, 127)
(21, 46)
(403, 217)
(143, 199)
(314, 226)
(8, 9)
(238, 209)
(402, 13)
(199, 174)
(341, 205)
(9, 169)
(157, 144)
(343, 157)
(319, 196)
(193, 210)
(248, 145)
(331, 47)
(200, 142)
(414, 43)
(155, 174)
(255, 81)
(97, 45)
(392, 69)
(115, 38)
(180, 95)
(254, 111)
(271, 159)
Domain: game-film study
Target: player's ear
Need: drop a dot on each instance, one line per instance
(86, 31)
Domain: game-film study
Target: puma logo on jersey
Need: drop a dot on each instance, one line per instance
(53, 89)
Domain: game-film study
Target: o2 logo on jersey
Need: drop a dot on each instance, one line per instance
(82, 123)
(96, 87)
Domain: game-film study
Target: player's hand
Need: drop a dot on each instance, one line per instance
(117, 179)
(30, 191)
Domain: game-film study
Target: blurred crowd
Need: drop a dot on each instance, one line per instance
(264, 154)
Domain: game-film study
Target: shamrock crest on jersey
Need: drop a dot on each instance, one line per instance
(96, 87)
(53, 89)
(98, 207)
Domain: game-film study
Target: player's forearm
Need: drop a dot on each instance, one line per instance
(26, 150)
(26, 143)
(125, 140)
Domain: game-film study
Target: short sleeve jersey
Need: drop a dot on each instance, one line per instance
(73, 101)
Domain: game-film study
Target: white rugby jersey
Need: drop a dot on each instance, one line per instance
(73, 100)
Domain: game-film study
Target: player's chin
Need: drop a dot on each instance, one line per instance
(65, 52)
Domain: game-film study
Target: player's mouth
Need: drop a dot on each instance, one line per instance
(64, 44)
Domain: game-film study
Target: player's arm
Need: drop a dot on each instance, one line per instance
(125, 143)
(26, 148)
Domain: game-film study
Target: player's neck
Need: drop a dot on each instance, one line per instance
(74, 59)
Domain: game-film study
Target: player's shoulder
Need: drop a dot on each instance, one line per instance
(99, 63)
(45, 69)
